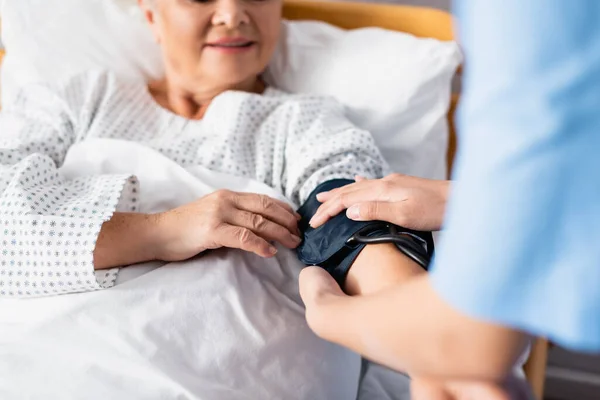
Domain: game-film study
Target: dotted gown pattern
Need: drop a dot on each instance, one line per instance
(49, 225)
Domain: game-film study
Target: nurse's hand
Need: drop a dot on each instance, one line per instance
(331, 314)
(429, 389)
(410, 202)
(321, 294)
(224, 218)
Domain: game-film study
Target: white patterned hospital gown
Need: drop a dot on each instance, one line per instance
(49, 225)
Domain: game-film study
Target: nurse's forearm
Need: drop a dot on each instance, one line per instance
(409, 328)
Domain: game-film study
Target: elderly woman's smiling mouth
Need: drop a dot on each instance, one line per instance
(231, 45)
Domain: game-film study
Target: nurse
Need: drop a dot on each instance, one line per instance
(520, 252)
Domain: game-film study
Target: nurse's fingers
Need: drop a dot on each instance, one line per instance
(320, 292)
(360, 182)
(324, 196)
(315, 283)
(361, 193)
(478, 390)
(378, 211)
(424, 389)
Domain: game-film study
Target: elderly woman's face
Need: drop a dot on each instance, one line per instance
(222, 42)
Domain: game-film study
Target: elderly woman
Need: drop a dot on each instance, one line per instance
(211, 109)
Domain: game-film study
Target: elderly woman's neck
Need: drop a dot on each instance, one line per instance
(193, 102)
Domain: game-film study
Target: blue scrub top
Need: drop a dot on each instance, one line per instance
(522, 236)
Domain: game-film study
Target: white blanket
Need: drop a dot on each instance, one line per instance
(228, 325)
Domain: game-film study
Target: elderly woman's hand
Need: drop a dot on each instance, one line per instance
(227, 219)
(414, 203)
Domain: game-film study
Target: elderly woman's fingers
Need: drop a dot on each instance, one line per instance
(263, 227)
(236, 237)
(272, 209)
(287, 207)
(283, 205)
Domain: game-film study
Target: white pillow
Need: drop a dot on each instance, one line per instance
(53, 39)
(395, 85)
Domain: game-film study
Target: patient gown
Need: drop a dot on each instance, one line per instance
(49, 225)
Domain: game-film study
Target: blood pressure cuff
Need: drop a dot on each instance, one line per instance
(328, 247)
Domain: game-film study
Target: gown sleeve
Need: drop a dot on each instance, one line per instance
(48, 224)
(323, 145)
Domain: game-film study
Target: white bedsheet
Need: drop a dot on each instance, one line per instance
(227, 325)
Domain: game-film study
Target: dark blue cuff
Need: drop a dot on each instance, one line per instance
(327, 245)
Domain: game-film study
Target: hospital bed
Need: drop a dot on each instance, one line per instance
(421, 22)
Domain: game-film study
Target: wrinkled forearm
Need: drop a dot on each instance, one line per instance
(126, 239)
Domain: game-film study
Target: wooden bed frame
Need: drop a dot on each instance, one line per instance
(421, 22)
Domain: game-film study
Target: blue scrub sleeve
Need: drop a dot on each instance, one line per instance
(522, 240)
